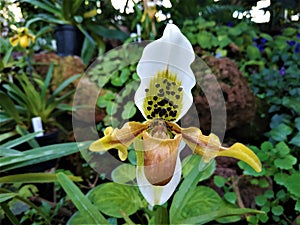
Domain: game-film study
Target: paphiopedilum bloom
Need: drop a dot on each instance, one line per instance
(23, 37)
(164, 97)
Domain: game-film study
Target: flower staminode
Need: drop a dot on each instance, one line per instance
(163, 97)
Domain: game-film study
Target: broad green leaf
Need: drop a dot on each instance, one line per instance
(202, 219)
(200, 201)
(282, 149)
(205, 40)
(6, 196)
(34, 178)
(230, 197)
(280, 178)
(194, 160)
(277, 210)
(219, 181)
(187, 186)
(115, 199)
(289, 31)
(281, 132)
(293, 185)
(260, 200)
(111, 108)
(80, 200)
(285, 163)
(292, 103)
(297, 123)
(296, 140)
(124, 173)
(253, 52)
(129, 110)
(79, 218)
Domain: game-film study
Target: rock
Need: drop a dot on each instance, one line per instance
(239, 100)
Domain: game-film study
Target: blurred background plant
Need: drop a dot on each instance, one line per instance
(261, 37)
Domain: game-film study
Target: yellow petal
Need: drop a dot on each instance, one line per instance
(90, 13)
(24, 41)
(210, 147)
(119, 138)
(241, 152)
(14, 41)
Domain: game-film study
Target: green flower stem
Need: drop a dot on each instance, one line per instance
(13, 219)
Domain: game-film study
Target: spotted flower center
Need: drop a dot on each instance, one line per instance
(163, 97)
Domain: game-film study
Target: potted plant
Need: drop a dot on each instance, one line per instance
(70, 17)
(30, 98)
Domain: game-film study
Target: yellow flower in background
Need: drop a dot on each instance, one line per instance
(22, 37)
(150, 10)
(164, 97)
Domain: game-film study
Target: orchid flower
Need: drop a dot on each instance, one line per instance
(163, 97)
(23, 37)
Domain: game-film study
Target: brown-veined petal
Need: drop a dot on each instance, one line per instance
(210, 147)
(158, 167)
(160, 158)
(119, 138)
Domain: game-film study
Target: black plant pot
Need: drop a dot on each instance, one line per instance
(69, 40)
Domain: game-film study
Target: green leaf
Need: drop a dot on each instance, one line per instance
(19, 140)
(292, 102)
(280, 178)
(293, 185)
(124, 173)
(282, 149)
(34, 178)
(47, 81)
(205, 40)
(266, 146)
(129, 110)
(80, 218)
(281, 132)
(285, 163)
(187, 186)
(6, 196)
(40, 154)
(111, 108)
(9, 152)
(80, 201)
(88, 50)
(202, 219)
(9, 107)
(277, 210)
(191, 161)
(230, 197)
(115, 199)
(266, 36)
(200, 201)
(297, 123)
(107, 33)
(261, 200)
(219, 181)
(289, 31)
(296, 140)
(253, 52)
